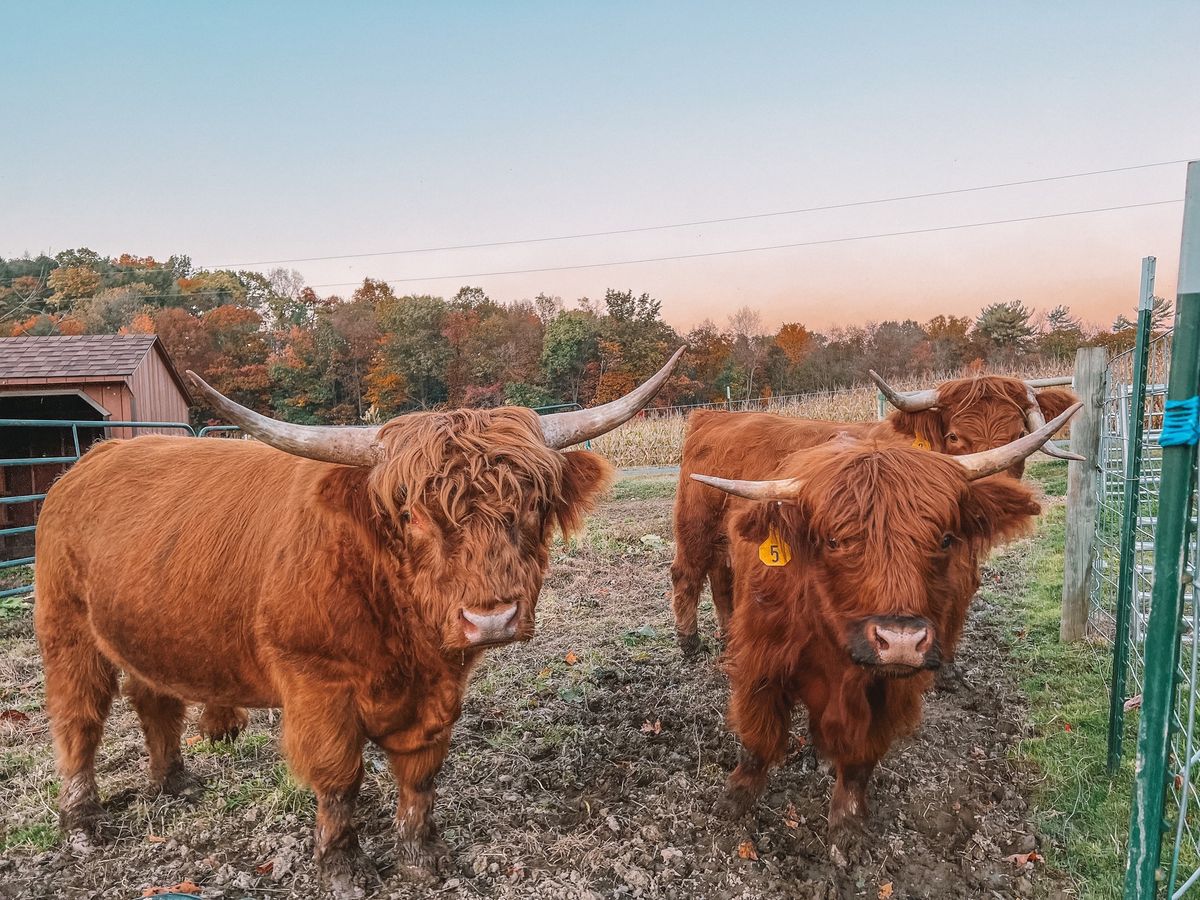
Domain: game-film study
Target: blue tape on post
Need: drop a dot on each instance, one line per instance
(1181, 423)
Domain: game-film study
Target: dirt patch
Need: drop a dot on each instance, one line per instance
(586, 765)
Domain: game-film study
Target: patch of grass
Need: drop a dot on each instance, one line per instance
(11, 607)
(14, 763)
(649, 488)
(1075, 802)
(38, 836)
(1052, 476)
(273, 793)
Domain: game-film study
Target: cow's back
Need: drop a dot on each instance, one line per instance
(170, 545)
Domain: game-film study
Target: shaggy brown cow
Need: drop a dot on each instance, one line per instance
(850, 583)
(962, 416)
(352, 580)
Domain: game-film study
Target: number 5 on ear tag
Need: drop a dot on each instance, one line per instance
(774, 551)
(921, 444)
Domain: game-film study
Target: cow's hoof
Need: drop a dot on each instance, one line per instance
(734, 804)
(82, 822)
(179, 782)
(847, 845)
(689, 644)
(949, 679)
(222, 723)
(347, 875)
(421, 860)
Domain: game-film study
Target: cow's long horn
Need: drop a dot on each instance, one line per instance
(780, 489)
(1058, 381)
(327, 443)
(989, 462)
(1035, 420)
(905, 401)
(565, 429)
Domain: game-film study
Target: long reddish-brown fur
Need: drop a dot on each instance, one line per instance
(973, 414)
(867, 536)
(229, 573)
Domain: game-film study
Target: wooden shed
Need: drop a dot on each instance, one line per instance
(81, 378)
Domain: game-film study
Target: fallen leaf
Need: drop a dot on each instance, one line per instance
(1021, 859)
(571, 658)
(15, 716)
(791, 817)
(1178, 782)
(545, 673)
(655, 728)
(746, 850)
(885, 891)
(1066, 726)
(194, 740)
(184, 887)
(155, 839)
(1134, 702)
(265, 868)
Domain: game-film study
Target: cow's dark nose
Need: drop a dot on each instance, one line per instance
(498, 624)
(900, 641)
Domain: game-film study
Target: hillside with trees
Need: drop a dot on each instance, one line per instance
(275, 345)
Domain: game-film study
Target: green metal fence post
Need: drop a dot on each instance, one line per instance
(1142, 872)
(1129, 512)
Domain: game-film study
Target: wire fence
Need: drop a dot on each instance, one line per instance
(1129, 459)
(1122, 597)
(1143, 598)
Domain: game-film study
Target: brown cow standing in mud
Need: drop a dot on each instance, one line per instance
(962, 416)
(352, 580)
(852, 575)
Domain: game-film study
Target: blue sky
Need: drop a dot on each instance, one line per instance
(238, 132)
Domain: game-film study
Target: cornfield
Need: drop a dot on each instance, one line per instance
(655, 437)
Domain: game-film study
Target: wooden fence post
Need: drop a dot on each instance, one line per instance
(1083, 483)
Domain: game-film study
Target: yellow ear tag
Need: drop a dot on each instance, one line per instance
(920, 443)
(774, 551)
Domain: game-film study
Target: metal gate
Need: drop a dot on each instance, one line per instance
(1156, 622)
(18, 511)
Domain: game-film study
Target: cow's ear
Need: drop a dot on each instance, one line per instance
(754, 522)
(924, 430)
(585, 477)
(1054, 401)
(997, 509)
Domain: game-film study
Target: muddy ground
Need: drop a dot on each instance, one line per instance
(586, 765)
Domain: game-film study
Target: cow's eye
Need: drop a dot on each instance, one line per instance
(947, 541)
(952, 438)
(833, 543)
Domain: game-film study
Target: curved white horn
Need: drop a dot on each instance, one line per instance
(327, 443)
(905, 401)
(1035, 420)
(565, 429)
(989, 462)
(780, 489)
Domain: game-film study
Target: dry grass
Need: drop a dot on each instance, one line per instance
(656, 437)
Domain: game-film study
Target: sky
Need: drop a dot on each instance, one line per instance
(249, 132)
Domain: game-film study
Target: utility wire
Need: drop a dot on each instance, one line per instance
(631, 262)
(842, 240)
(743, 218)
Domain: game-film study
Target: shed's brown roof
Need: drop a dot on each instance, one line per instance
(79, 356)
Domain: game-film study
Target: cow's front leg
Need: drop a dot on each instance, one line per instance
(760, 714)
(848, 803)
(323, 743)
(419, 850)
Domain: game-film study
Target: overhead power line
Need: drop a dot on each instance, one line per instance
(841, 240)
(742, 218)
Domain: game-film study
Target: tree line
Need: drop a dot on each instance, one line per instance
(273, 344)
